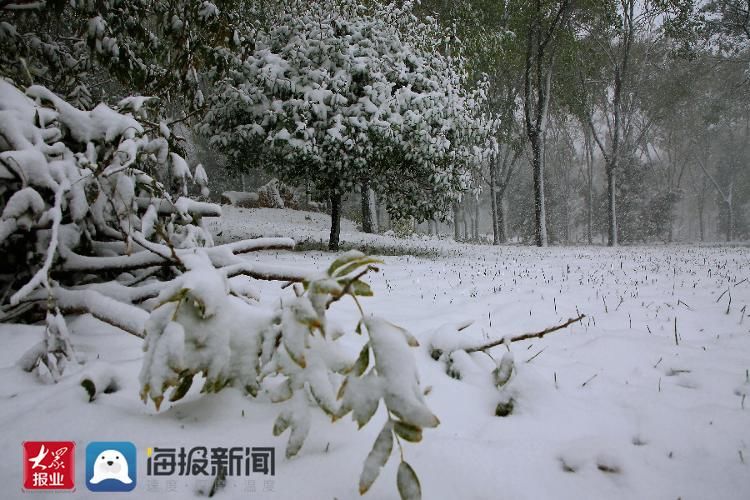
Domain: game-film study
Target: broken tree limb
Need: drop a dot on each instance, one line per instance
(268, 272)
(74, 262)
(182, 204)
(525, 336)
(123, 316)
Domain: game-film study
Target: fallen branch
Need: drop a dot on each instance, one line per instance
(123, 316)
(182, 204)
(220, 256)
(268, 272)
(526, 336)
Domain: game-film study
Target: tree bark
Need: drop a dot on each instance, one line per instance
(367, 215)
(537, 84)
(540, 214)
(476, 219)
(333, 240)
(730, 221)
(502, 219)
(467, 221)
(493, 201)
(456, 222)
(589, 151)
(373, 210)
(612, 207)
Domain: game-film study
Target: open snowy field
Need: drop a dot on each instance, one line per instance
(646, 398)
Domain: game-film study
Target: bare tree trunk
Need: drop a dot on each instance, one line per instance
(502, 219)
(493, 201)
(730, 219)
(566, 218)
(540, 215)
(333, 241)
(612, 207)
(467, 220)
(456, 222)
(589, 153)
(476, 219)
(701, 210)
(380, 216)
(670, 233)
(367, 215)
(373, 211)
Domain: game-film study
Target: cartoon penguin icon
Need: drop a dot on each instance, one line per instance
(110, 464)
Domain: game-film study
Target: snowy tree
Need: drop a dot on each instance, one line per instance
(334, 95)
(160, 48)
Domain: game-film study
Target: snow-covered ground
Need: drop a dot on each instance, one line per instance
(646, 398)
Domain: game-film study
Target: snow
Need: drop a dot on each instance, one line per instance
(101, 123)
(621, 405)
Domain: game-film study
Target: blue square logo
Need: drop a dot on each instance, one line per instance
(111, 466)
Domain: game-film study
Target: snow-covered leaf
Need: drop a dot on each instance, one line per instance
(376, 459)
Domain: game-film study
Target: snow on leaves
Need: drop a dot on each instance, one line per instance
(290, 353)
(334, 93)
(82, 193)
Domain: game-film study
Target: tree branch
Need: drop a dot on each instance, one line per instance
(526, 336)
(220, 255)
(166, 207)
(123, 316)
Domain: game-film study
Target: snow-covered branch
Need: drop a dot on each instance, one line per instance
(128, 318)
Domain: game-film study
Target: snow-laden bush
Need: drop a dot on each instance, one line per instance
(291, 353)
(84, 192)
(83, 201)
(88, 225)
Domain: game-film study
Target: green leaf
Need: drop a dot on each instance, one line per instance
(411, 433)
(177, 297)
(90, 387)
(322, 403)
(349, 268)
(324, 286)
(340, 393)
(297, 358)
(410, 339)
(362, 413)
(200, 307)
(361, 288)
(376, 459)
(300, 429)
(344, 259)
(504, 370)
(408, 483)
(281, 424)
(281, 392)
(363, 361)
(186, 381)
